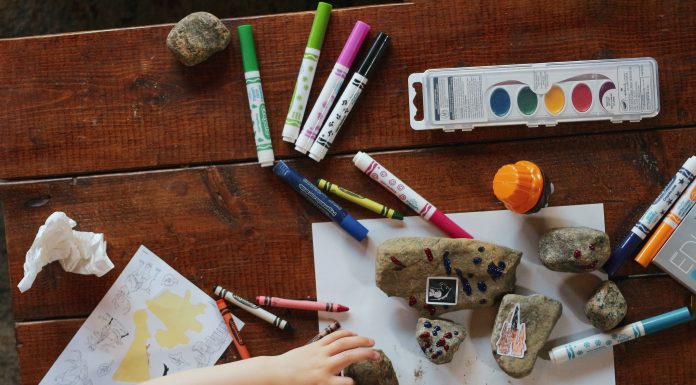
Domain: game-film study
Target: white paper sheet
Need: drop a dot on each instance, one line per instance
(97, 351)
(345, 273)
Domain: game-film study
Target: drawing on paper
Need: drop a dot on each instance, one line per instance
(178, 360)
(203, 350)
(110, 335)
(75, 371)
(104, 369)
(169, 280)
(139, 280)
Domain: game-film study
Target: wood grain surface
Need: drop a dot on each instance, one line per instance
(118, 100)
(109, 128)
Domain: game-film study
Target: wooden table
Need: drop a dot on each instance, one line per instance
(108, 127)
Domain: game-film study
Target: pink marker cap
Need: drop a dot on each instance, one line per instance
(445, 224)
(355, 40)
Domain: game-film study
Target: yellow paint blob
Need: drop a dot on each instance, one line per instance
(178, 314)
(135, 365)
(554, 100)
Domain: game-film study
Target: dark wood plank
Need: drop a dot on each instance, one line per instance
(210, 221)
(116, 100)
(642, 362)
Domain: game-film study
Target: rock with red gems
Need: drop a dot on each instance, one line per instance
(574, 249)
(380, 372)
(439, 339)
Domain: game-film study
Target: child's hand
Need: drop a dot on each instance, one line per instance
(319, 362)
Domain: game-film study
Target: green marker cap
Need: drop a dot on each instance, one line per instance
(246, 42)
(321, 20)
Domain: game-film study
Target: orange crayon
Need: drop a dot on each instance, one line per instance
(232, 328)
(668, 225)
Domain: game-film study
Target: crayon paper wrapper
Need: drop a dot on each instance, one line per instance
(262, 134)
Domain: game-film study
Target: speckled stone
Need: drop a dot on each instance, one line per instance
(485, 271)
(539, 314)
(196, 37)
(607, 306)
(574, 249)
(380, 372)
(439, 339)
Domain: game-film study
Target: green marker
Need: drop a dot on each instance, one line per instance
(259, 120)
(300, 96)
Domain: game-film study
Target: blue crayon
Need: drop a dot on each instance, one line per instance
(632, 242)
(310, 192)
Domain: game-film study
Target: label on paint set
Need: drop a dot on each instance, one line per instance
(536, 94)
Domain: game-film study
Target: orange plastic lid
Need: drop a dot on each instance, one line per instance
(519, 186)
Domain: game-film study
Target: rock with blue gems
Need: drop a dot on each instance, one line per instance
(439, 339)
(440, 275)
(574, 249)
(607, 306)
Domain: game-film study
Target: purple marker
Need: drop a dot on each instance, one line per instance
(333, 84)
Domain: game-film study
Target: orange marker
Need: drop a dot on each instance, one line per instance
(668, 225)
(232, 328)
(522, 187)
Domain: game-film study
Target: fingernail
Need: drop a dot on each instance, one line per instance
(372, 342)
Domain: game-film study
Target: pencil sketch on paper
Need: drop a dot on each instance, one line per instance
(75, 370)
(139, 280)
(178, 360)
(110, 335)
(169, 280)
(203, 350)
(105, 368)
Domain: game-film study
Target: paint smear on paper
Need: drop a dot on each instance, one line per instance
(135, 365)
(178, 315)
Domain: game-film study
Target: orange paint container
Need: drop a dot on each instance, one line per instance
(522, 187)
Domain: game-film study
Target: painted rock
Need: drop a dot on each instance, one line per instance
(607, 306)
(521, 328)
(196, 37)
(574, 249)
(440, 275)
(378, 372)
(439, 339)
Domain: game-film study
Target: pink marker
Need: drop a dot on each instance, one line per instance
(333, 85)
(301, 305)
(411, 198)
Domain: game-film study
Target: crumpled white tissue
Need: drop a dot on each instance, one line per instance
(77, 251)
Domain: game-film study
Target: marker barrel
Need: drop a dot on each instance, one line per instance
(412, 199)
(320, 200)
(359, 200)
(305, 77)
(630, 244)
(252, 308)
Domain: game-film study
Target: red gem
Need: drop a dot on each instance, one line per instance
(446, 347)
(424, 335)
(591, 246)
(440, 342)
(396, 261)
(448, 335)
(430, 308)
(591, 266)
(429, 254)
(412, 301)
(576, 254)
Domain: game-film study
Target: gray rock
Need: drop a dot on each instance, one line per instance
(380, 372)
(531, 327)
(607, 306)
(196, 37)
(574, 249)
(439, 339)
(484, 271)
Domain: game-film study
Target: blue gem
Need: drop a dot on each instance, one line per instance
(481, 249)
(477, 260)
(482, 286)
(437, 328)
(494, 271)
(427, 324)
(446, 262)
(435, 334)
(501, 265)
(456, 333)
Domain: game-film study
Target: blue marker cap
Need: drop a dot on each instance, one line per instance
(667, 320)
(626, 249)
(353, 227)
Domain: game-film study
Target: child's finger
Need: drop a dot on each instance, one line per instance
(352, 356)
(348, 343)
(341, 381)
(335, 336)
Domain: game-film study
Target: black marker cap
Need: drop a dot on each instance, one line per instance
(377, 50)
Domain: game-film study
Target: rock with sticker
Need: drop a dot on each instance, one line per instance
(607, 306)
(439, 339)
(574, 249)
(380, 372)
(426, 270)
(522, 326)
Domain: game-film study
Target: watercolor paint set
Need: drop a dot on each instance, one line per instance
(536, 94)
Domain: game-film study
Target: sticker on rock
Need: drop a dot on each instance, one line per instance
(442, 291)
(513, 336)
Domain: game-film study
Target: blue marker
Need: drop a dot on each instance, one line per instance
(585, 346)
(630, 245)
(310, 192)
